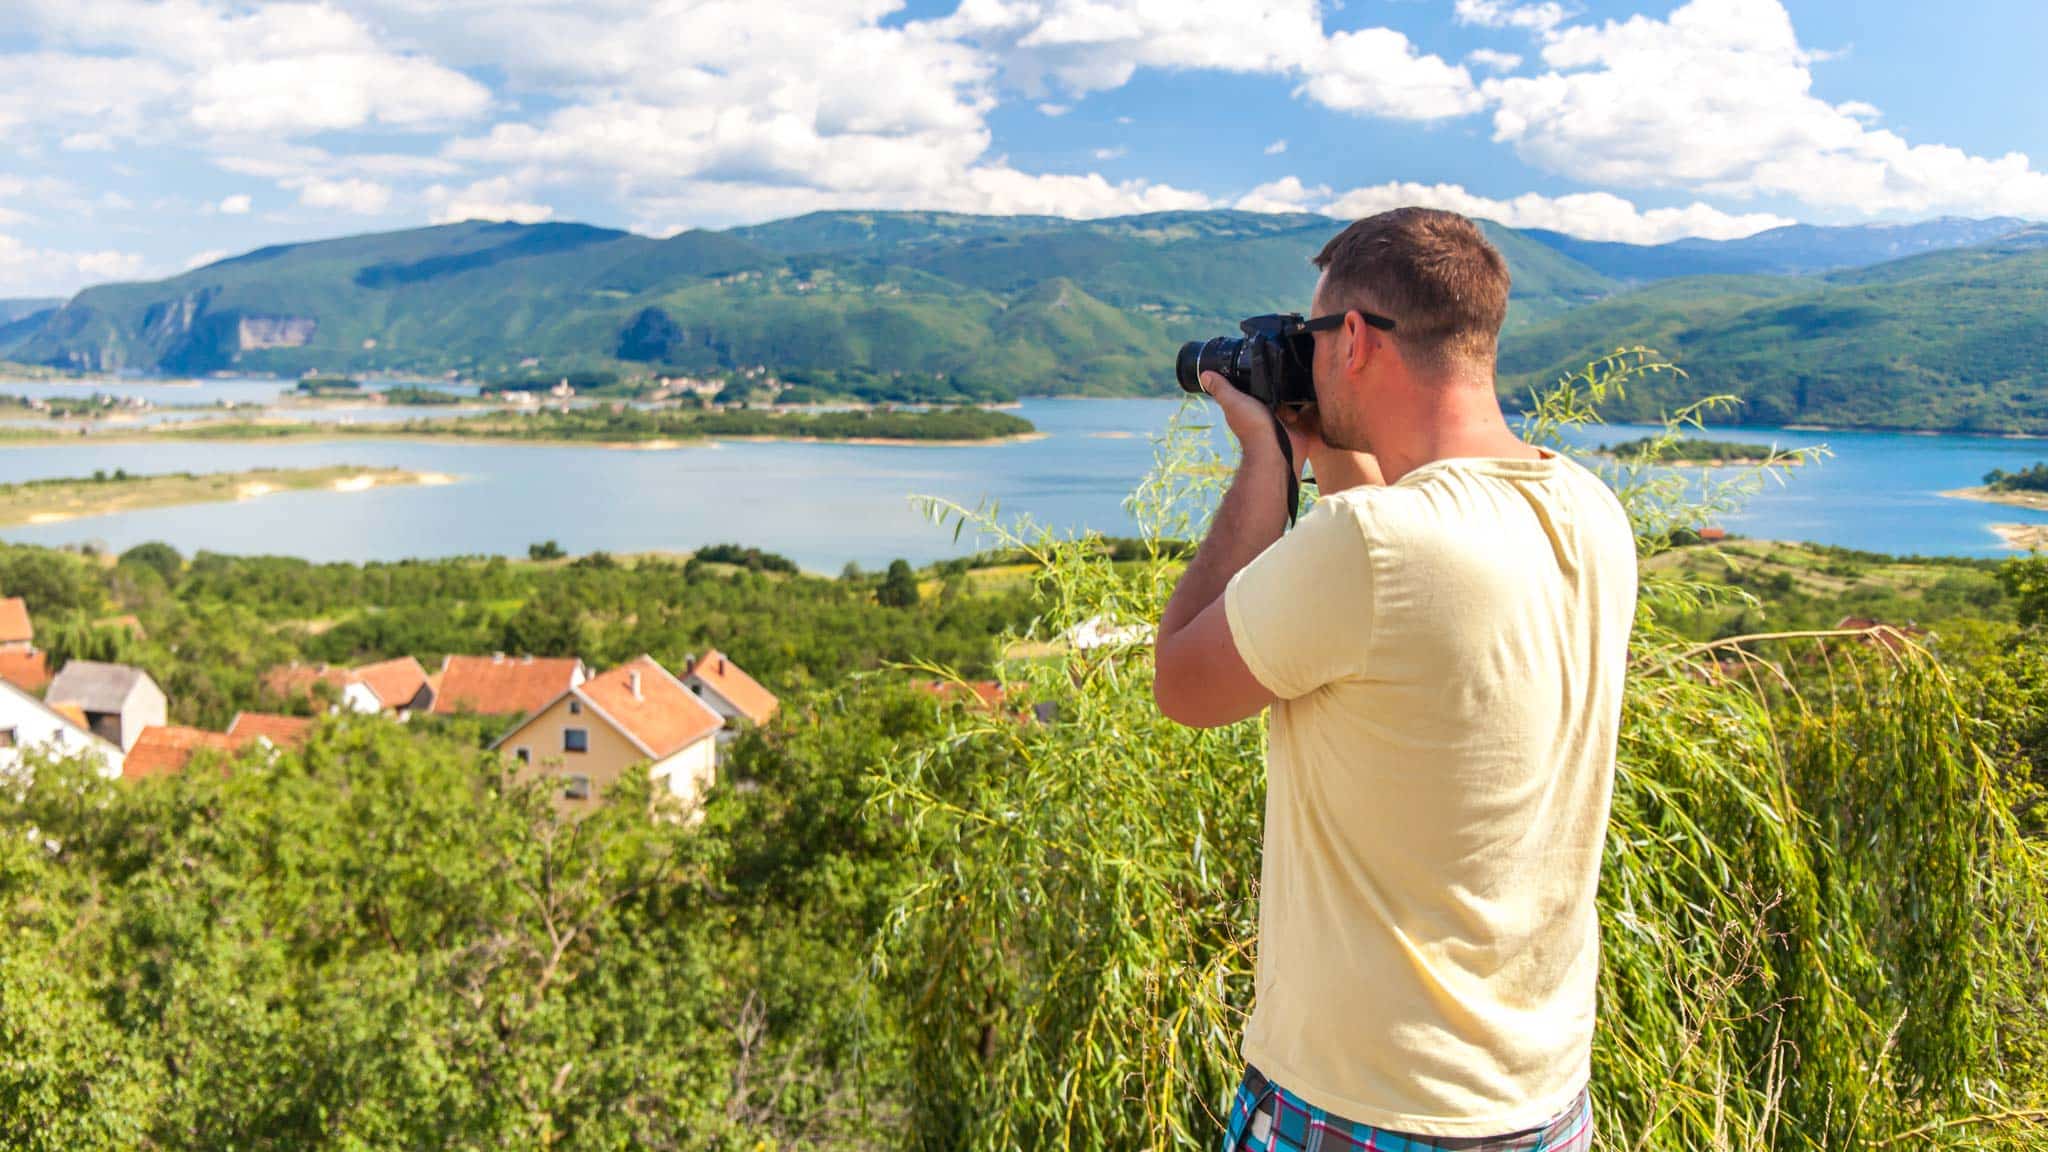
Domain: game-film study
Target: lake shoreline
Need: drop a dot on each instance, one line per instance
(58, 501)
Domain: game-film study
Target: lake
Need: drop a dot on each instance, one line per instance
(826, 504)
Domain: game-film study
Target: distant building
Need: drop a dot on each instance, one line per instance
(399, 685)
(295, 681)
(166, 750)
(281, 731)
(30, 725)
(598, 729)
(732, 693)
(118, 701)
(501, 685)
(17, 632)
(26, 669)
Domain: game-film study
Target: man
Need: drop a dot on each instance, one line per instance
(1441, 640)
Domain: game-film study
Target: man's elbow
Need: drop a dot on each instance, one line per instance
(1177, 701)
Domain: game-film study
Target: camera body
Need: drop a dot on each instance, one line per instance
(1271, 362)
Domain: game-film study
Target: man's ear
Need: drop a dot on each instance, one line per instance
(1361, 342)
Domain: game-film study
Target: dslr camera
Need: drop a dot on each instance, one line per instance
(1271, 362)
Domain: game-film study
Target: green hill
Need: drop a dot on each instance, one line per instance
(1953, 340)
(1025, 304)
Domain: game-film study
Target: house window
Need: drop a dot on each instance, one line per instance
(575, 787)
(525, 755)
(575, 739)
(575, 707)
(6, 737)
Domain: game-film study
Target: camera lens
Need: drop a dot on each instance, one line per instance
(1186, 366)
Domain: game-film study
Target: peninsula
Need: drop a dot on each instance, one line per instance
(70, 498)
(1688, 452)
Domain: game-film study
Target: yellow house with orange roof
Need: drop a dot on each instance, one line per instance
(635, 717)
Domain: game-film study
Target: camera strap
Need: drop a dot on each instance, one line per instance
(1293, 476)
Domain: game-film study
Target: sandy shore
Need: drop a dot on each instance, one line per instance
(2023, 537)
(2035, 500)
(53, 503)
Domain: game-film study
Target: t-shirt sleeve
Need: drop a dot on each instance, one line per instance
(1301, 612)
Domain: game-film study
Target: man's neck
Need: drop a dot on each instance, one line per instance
(1452, 420)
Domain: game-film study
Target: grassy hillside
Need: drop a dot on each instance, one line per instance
(1797, 249)
(1954, 340)
(1027, 304)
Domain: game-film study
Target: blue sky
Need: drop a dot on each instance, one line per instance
(145, 136)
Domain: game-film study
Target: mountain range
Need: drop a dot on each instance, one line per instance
(1939, 324)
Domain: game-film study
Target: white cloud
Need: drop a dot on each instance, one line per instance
(290, 68)
(1286, 194)
(202, 259)
(1055, 110)
(1537, 18)
(362, 197)
(1377, 72)
(1718, 99)
(87, 142)
(1494, 61)
(236, 205)
(27, 271)
(1276, 147)
(1588, 215)
(1110, 153)
(495, 199)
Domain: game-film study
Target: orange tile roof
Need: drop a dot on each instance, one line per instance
(164, 749)
(502, 685)
(281, 731)
(27, 670)
(664, 718)
(74, 713)
(754, 702)
(395, 682)
(15, 627)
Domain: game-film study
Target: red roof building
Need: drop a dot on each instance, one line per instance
(25, 668)
(280, 731)
(164, 749)
(725, 687)
(502, 685)
(16, 631)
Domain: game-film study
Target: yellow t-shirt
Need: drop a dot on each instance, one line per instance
(1448, 652)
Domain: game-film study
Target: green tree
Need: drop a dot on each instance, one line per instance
(157, 555)
(899, 586)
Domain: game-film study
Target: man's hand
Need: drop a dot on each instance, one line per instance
(1251, 422)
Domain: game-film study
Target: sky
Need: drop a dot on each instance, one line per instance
(140, 138)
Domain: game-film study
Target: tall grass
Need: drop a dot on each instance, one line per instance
(1819, 920)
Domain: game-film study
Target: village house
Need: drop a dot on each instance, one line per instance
(166, 749)
(595, 731)
(501, 685)
(282, 731)
(733, 694)
(118, 701)
(30, 725)
(400, 686)
(17, 632)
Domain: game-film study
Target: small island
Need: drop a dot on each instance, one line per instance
(104, 493)
(1690, 452)
(2027, 488)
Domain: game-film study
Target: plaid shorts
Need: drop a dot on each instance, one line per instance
(1269, 1118)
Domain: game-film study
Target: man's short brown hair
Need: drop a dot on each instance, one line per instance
(1433, 272)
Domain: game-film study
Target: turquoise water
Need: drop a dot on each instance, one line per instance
(826, 504)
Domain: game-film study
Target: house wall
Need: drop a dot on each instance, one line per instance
(145, 707)
(690, 772)
(358, 697)
(36, 728)
(610, 752)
